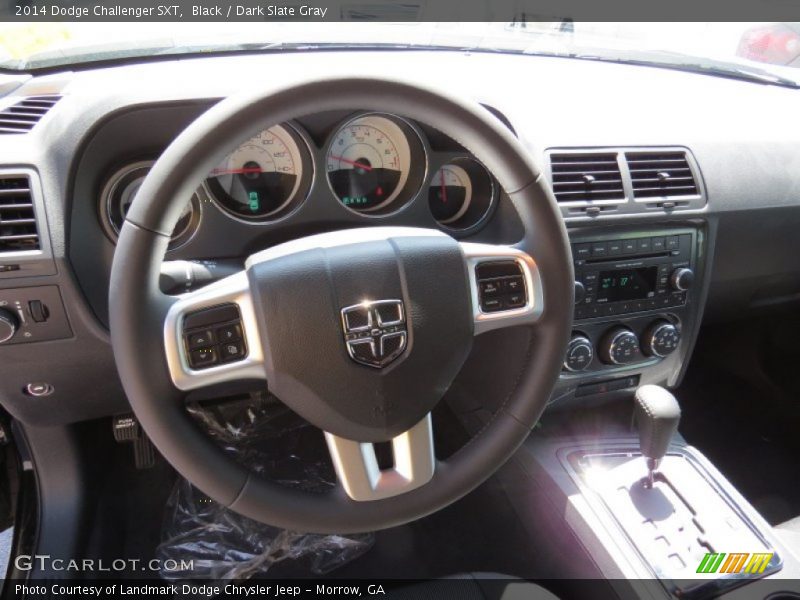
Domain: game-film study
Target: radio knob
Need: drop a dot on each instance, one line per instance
(579, 353)
(8, 325)
(580, 292)
(660, 339)
(681, 279)
(620, 346)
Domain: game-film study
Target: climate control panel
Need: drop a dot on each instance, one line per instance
(620, 345)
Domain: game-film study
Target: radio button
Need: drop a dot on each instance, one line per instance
(615, 248)
(644, 245)
(659, 244)
(582, 250)
(673, 242)
(589, 278)
(600, 249)
(628, 246)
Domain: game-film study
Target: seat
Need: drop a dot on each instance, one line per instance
(474, 586)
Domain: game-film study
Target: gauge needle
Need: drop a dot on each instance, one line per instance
(236, 171)
(351, 162)
(444, 189)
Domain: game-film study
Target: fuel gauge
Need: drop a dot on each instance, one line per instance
(461, 194)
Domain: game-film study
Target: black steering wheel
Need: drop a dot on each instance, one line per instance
(360, 332)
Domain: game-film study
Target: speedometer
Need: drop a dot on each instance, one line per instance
(261, 177)
(368, 163)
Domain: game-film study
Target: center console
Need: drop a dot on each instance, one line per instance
(637, 295)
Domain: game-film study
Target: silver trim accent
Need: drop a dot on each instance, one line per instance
(474, 254)
(12, 328)
(649, 343)
(234, 290)
(362, 479)
(578, 340)
(628, 205)
(182, 238)
(32, 262)
(615, 340)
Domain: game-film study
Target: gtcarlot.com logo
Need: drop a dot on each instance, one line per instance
(44, 562)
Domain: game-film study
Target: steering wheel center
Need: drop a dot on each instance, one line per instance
(362, 337)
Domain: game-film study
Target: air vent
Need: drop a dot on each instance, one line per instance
(587, 177)
(25, 114)
(659, 175)
(18, 230)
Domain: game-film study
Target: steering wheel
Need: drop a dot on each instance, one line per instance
(360, 332)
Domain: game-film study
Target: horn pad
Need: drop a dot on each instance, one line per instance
(363, 339)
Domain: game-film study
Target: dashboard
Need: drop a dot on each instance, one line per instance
(681, 204)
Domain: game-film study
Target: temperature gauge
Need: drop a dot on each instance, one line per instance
(461, 194)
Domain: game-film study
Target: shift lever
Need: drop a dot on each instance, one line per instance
(657, 414)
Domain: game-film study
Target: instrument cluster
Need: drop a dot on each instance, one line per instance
(371, 164)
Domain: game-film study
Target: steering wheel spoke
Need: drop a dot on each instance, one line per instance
(211, 335)
(505, 286)
(362, 478)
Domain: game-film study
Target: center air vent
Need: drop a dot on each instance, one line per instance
(25, 114)
(587, 177)
(18, 229)
(660, 175)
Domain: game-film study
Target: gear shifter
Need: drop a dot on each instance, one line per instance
(657, 414)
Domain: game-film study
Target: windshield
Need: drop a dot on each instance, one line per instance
(761, 52)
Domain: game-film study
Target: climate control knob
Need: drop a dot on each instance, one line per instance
(620, 346)
(579, 353)
(660, 339)
(8, 325)
(681, 279)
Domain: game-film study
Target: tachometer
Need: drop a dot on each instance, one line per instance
(368, 162)
(261, 177)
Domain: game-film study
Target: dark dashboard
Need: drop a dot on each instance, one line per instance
(656, 173)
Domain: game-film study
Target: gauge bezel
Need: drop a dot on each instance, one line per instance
(110, 186)
(467, 222)
(417, 172)
(301, 190)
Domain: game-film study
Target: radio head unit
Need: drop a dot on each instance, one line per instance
(631, 274)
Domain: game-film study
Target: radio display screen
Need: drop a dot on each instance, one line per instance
(627, 284)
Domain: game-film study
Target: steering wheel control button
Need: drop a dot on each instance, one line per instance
(214, 335)
(384, 337)
(515, 300)
(203, 357)
(231, 351)
(501, 286)
(492, 287)
(201, 338)
(491, 304)
(211, 316)
(229, 333)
